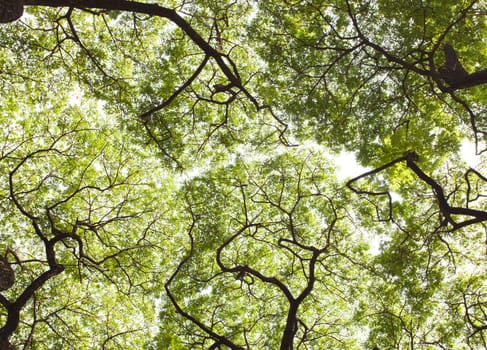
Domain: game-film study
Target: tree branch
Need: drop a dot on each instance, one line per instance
(151, 10)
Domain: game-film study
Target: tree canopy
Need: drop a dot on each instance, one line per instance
(170, 174)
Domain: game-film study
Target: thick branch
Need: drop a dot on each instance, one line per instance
(151, 10)
(13, 317)
(455, 75)
(469, 80)
(446, 210)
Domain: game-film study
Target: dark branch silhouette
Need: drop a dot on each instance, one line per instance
(453, 73)
(446, 210)
(10, 10)
(7, 276)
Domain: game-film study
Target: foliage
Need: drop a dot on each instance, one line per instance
(168, 175)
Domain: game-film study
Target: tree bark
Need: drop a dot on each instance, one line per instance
(10, 10)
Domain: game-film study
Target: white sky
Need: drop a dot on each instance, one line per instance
(467, 151)
(347, 166)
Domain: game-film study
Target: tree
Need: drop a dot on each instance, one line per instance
(273, 249)
(168, 174)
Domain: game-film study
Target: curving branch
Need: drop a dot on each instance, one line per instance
(47, 224)
(453, 73)
(448, 211)
(218, 339)
(151, 10)
(448, 78)
(146, 115)
(223, 61)
(309, 265)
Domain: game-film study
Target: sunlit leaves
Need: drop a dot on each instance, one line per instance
(159, 191)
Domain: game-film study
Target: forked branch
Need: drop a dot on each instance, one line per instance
(447, 211)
